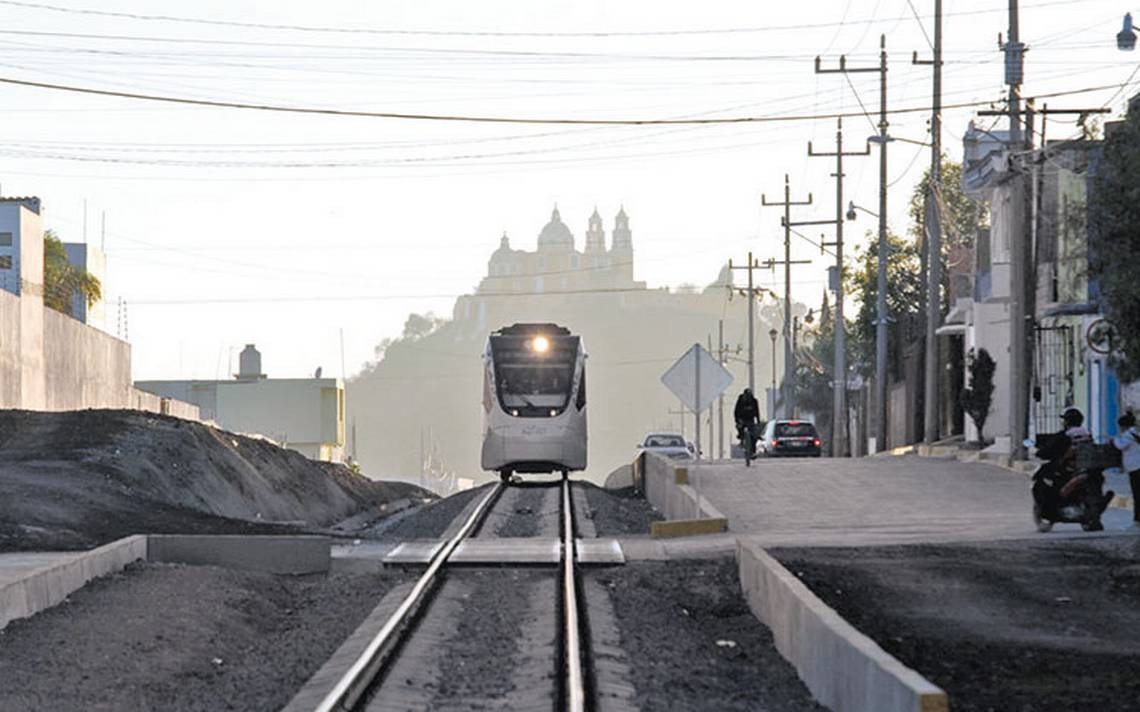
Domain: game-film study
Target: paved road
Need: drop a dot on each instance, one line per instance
(876, 501)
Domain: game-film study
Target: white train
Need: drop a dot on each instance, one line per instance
(534, 400)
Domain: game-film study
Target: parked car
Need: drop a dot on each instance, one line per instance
(794, 438)
(670, 445)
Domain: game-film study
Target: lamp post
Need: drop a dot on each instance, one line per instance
(773, 334)
(881, 319)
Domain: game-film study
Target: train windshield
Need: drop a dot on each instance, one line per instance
(530, 381)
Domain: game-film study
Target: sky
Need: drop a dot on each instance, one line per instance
(315, 236)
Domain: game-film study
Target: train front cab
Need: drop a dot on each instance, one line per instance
(534, 401)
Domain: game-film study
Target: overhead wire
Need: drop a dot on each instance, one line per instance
(489, 33)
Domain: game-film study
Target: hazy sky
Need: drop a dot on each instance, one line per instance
(227, 226)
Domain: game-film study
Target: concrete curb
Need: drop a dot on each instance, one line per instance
(687, 527)
(844, 669)
(50, 585)
(300, 554)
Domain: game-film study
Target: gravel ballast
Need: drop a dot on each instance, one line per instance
(619, 512)
(429, 521)
(693, 643)
(1023, 625)
(180, 638)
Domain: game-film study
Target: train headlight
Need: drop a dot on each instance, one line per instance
(540, 344)
(553, 413)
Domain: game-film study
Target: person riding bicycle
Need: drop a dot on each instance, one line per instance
(746, 412)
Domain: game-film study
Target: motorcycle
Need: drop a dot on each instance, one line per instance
(1067, 488)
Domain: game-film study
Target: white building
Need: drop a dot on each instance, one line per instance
(303, 414)
(21, 242)
(94, 261)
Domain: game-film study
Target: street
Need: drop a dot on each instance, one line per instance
(880, 500)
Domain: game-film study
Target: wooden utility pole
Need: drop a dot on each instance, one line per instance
(720, 398)
(882, 318)
(751, 294)
(789, 385)
(933, 226)
(839, 373)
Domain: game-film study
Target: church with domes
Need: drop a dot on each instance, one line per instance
(558, 266)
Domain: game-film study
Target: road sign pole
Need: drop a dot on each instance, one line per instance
(697, 412)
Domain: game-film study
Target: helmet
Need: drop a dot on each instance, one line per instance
(1072, 416)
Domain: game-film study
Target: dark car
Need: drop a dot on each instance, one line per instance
(794, 438)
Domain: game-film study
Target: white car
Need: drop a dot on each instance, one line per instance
(670, 445)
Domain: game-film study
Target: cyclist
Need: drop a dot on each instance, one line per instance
(747, 414)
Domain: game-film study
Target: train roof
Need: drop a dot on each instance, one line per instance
(528, 329)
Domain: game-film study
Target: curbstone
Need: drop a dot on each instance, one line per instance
(687, 527)
(47, 586)
(843, 668)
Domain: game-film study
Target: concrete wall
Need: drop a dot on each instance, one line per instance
(83, 367)
(9, 350)
(48, 360)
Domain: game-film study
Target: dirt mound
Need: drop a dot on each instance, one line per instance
(77, 479)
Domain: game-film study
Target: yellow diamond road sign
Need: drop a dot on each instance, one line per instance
(697, 379)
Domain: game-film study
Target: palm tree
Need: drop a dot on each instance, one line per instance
(63, 280)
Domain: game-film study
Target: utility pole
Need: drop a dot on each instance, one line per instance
(1018, 309)
(720, 398)
(933, 214)
(788, 387)
(882, 318)
(839, 373)
(751, 294)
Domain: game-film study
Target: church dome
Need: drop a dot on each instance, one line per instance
(504, 251)
(556, 235)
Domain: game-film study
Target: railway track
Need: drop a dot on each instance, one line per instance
(366, 684)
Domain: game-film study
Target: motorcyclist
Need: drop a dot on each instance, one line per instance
(1096, 500)
(746, 412)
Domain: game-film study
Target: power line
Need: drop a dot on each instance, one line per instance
(498, 119)
(488, 33)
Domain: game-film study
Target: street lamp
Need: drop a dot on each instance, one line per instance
(1126, 38)
(852, 207)
(772, 334)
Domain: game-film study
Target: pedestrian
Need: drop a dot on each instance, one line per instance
(1128, 442)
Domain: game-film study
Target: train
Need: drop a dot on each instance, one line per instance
(534, 401)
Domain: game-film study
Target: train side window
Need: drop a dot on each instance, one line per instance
(581, 401)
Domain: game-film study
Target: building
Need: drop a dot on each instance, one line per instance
(303, 414)
(1070, 366)
(94, 261)
(21, 243)
(556, 265)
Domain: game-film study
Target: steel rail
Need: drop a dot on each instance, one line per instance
(575, 693)
(352, 685)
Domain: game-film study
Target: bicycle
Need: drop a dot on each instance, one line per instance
(747, 435)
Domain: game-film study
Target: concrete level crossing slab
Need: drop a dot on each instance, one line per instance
(873, 501)
(507, 551)
(517, 550)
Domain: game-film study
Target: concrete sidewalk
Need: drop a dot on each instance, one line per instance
(872, 501)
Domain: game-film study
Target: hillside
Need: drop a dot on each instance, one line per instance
(77, 479)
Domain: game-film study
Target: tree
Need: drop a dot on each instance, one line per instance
(905, 294)
(63, 280)
(1114, 256)
(977, 397)
(906, 269)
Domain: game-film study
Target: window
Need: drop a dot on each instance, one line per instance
(5, 239)
(580, 402)
(5, 261)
